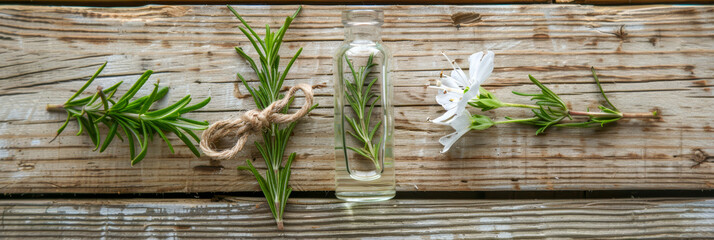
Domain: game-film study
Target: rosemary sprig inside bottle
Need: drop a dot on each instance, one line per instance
(132, 116)
(359, 96)
(275, 139)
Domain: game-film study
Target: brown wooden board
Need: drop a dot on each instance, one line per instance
(233, 218)
(361, 2)
(648, 57)
(223, 2)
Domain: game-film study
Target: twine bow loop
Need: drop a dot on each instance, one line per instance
(252, 121)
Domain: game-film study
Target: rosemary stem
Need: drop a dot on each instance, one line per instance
(520, 105)
(517, 120)
(641, 115)
(55, 107)
(593, 114)
(623, 115)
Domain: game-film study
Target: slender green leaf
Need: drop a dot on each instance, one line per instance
(110, 136)
(87, 83)
(196, 106)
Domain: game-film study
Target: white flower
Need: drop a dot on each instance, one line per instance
(461, 123)
(456, 90)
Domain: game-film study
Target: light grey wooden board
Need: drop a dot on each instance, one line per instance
(394, 219)
(662, 59)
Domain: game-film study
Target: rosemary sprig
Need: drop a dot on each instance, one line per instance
(133, 117)
(275, 139)
(549, 110)
(358, 95)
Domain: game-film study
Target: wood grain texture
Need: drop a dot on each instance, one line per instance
(361, 2)
(648, 57)
(394, 219)
(223, 2)
(627, 2)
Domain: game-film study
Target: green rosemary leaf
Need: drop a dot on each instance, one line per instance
(374, 130)
(360, 152)
(110, 136)
(129, 137)
(168, 111)
(64, 125)
(200, 123)
(93, 131)
(548, 92)
(88, 128)
(247, 26)
(142, 100)
(83, 101)
(184, 125)
(352, 69)
(188, 143)
(162, 135)
(597, 80)
(192, 134)
(290, 64)
(263, 186)
(134, 88)
(87, 84)
(150, 100)
(196, 107)
(112, 90)
(134, 136)
(81, 125)
(250, 61)
(144, 146)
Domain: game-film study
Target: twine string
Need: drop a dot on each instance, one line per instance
(250, 122)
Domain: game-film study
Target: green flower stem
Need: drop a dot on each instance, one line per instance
(615, 115)
(520, 105)
(517, 120)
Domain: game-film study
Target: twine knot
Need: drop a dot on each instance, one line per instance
(252, 121)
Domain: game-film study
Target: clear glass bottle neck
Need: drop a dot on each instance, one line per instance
(363, 33)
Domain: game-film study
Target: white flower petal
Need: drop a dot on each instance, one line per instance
(470, 94)
(483, 69)
(474, 61)
(460, 77)
(462, 121)
(443, 118)
(457, 74)
(448, 81)
(448, 99)
(461, 124)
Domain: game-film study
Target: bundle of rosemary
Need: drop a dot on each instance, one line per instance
(275, 138)
(134, 117)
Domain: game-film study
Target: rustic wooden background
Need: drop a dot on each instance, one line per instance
(232, 218)
(648, 57)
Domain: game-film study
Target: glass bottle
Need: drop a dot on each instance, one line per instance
(363, 111)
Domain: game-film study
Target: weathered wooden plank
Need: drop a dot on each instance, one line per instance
(394, 219)
(221, 2)
(661, 59)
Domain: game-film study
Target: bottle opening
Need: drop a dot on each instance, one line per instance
(363, 17)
